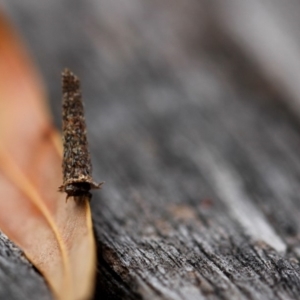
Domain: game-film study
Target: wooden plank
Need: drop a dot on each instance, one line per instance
(18, 279)
(199, 157)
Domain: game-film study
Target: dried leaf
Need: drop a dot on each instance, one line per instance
(55, 235)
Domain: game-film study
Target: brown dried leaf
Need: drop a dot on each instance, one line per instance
(55, 235)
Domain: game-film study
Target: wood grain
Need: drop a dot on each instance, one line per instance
(19, 280)
(198, 145)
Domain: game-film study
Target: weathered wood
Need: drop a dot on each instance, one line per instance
(199, 153)
(18, 279)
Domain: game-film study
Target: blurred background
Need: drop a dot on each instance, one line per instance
(177, 32)
(119, 42)
(188, 102)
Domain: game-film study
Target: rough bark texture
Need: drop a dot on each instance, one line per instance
(192, 125)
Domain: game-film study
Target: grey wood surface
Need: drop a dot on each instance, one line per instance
(18, 278)
(192, 112)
